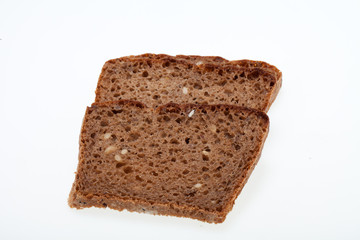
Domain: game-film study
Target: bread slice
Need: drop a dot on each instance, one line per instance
(182, 160)
(158, 79)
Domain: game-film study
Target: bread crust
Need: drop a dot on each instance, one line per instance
(244, 62)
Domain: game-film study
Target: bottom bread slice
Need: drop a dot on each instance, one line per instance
(180, 160)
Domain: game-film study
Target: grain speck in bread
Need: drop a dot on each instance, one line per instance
(159, 79)
(163, 161)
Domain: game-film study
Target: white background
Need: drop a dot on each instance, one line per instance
(306, 185)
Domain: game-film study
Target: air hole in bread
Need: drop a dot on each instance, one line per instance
(120, 164)
(205, 169)
(198, 86)
(138, 178)
(104, 123)
(205, 158)
(185, 171)
(116, 111)
(133, 136)
(128, 170)
(178, 120)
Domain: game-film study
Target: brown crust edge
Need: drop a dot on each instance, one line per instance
(132, 205)
(274, 92)
(244, 62)
(117, 203)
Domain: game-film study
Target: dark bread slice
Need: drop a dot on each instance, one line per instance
(159, 79)
(182, 160)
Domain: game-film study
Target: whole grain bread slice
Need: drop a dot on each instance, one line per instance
(182, 160)
(159, 79)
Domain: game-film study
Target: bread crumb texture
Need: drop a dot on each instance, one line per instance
(164, 161)
(160, 79)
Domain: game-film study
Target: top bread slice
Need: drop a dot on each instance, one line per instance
(160, 79)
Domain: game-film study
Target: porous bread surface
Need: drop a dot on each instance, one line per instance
(198, 60)
(159, 79)
(182, 160)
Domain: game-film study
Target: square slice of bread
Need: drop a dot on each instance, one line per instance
(182, 160)
(159, 79)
